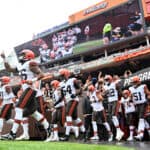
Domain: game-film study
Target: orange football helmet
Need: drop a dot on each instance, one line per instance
(135, 79)
(64, 72)
(25, 55)
(55, 83)
(5, 80)
(91, 88)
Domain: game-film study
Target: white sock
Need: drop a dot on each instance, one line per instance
(15, 127)
(25, 126)
(55, 129)
(10, 121)
(107, 126)
(79, 123)
(39, 117)
(94, 125)
(1, 125)
(68, 125)
(141, 127)
(17, 119)
(131, 130)
(115, 121)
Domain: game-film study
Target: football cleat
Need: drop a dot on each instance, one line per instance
(138, 137)
(50, 138)
(23, 137)
(9, 136)
(66, 138)
(55, 139)
(130, 138)
(110, 137)
(94, 137)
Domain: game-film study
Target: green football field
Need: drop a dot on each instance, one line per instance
(87, 45)
(32, 145)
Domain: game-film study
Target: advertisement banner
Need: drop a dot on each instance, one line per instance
(144, 75)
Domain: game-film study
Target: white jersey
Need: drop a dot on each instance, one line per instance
(56, 97)
(7, 98)
(95, 103)
(129, 106)
(138, 94)
(26, 73)
(112, 92)
(70, 90)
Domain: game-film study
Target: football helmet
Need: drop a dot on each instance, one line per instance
(91, 88)
(55, 83)
(64, 72)
(26, 55)
(5, 80)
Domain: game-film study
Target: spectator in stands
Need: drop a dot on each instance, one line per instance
(68, 50)
(54, 40)
(137, 25)
(44, 53)
(87, 32)
(116, 34)
(77, 30)
(107, 31)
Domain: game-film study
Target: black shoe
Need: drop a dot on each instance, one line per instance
(9, 136)
(66, 138)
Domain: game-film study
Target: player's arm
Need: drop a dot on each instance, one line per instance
(34, 67)
(99, 96)
(118, 87)
(77, 87)
(7, 65)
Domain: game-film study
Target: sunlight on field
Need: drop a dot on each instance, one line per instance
(32, 145)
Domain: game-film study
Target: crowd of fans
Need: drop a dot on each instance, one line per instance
(62, 44)
(118, 33)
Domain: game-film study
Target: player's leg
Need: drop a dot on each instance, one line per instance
(94, 125)
(130, 119)
(114, 111)
(5, 115)
(141, 124)
(69, 111)
(25, 126)
(40, 118)
(79, 123)
(107, 126)
(54, 129)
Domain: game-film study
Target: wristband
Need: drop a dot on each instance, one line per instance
(34, 79)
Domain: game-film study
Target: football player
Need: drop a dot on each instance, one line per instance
(72, 89)
(129, 109)
(29, 72)
(58, 115)
(8, 98)
(139, 93)
(98, 112)
(112, 92)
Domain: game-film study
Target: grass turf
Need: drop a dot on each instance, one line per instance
(86, 45)
(32, 145)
